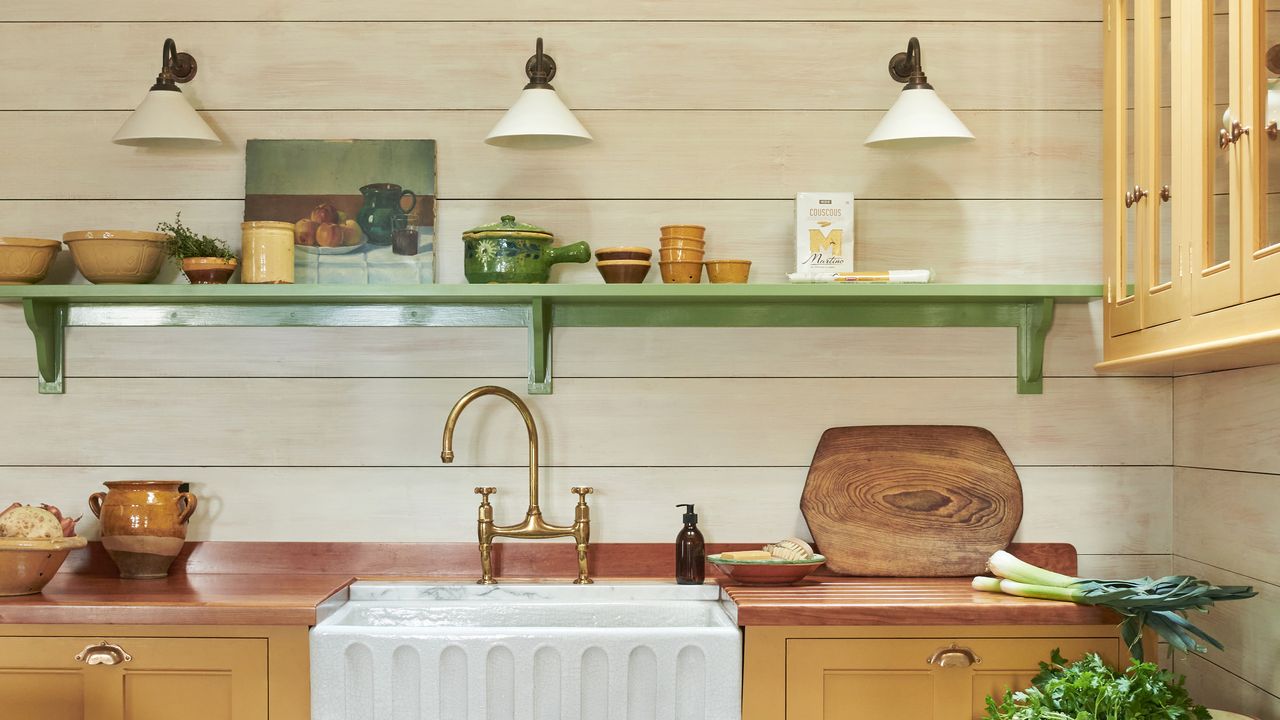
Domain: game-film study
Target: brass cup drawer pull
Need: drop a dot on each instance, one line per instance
(954, 656)
(103, 653)
(1134, 196)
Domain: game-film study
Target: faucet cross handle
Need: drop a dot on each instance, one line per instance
(484, 493)
(582, 493)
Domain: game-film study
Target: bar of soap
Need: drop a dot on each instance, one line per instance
(739, 555)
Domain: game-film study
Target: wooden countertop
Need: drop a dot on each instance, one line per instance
(900, 601)
(212, 599)
(230, 583)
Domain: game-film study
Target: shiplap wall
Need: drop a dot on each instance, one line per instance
(1226, 500)
(713, 112)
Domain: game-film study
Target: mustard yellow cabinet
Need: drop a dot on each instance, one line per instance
(64, 673)
(1191, 183)
(872, 673)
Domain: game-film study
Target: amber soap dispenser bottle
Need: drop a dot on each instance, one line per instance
(691, 551)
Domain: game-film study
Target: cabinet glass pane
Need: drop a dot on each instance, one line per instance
(1271, 148)
(1129, 247)
(1218, 243)
(1162, 258)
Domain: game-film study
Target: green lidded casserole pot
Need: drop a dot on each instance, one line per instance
(514, 252)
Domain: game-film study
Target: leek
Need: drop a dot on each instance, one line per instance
(1145, 602)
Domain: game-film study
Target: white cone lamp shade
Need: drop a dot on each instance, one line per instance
(164, 115)
(918, 117)
(539, 118)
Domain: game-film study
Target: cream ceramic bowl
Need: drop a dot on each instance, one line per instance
(24, 261)
(26, 566)
(117, 256)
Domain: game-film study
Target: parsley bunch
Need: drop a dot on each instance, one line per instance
(1090, 690)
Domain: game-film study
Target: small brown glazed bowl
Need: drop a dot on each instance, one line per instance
(624, 253)
(208, 270)
(117, 256)
(623, 271)
(26, 566)
(24, 261)
(767, 572)
(681, 272)
(693, 232)
(728, 271)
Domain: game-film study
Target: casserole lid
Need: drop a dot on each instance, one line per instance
(508, 226)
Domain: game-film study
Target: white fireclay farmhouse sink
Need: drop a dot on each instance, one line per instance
(634, 651)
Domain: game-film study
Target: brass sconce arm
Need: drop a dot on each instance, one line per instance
(175, 67)
(908, 67)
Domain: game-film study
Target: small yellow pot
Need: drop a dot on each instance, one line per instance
(681, 272)
(208, 270)
(267, 250)
(728, 271)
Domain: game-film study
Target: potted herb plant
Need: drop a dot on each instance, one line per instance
(204, 260)
(1088, 688)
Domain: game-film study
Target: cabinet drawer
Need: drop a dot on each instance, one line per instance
(880, 678)
(163, 678)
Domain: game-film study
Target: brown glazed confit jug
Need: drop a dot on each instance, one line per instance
(144, 524)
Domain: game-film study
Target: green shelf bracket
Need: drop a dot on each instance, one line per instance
(48, 322)
(540, 347)
(1037, 319)
(538, 308)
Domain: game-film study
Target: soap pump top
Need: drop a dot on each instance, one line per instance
(691, 554)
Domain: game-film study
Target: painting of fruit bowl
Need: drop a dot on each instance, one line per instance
(363, 211)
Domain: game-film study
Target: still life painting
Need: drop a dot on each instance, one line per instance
(364, 211)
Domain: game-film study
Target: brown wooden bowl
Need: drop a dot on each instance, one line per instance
(623, 272)
(767, 572)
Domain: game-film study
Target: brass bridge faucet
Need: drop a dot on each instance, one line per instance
(534, 526)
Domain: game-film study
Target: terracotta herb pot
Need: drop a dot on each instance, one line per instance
(144, 524)
(208, 270)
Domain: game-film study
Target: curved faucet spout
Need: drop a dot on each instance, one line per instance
(446, 451)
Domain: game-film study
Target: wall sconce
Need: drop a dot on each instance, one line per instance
(919, 116)
(164, 113)
(539, 118)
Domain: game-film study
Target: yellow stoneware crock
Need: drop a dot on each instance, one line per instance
(144, 524)
(266, 247)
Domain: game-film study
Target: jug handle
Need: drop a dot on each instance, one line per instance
(186, 506)
(412, 205)
(95, 503)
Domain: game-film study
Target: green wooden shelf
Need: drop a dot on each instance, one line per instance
(50, 309)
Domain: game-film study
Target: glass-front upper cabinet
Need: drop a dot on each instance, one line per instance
(1260, 78)
(1220, 131)
(1144, 165)
(1160, 254)
(1125, 194)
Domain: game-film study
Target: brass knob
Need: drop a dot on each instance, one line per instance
(954, 656)
(1134, 196)
(1273, 129)
(1232, 136)
(103, 653)
(1165, 194)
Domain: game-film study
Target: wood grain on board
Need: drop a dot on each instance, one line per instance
(911, 500)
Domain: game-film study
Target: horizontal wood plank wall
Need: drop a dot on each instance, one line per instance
(714, 112)
(1226, 497)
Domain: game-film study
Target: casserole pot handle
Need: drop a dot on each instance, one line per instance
(578, 252)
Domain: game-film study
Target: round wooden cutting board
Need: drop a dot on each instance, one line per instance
(911, 500)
